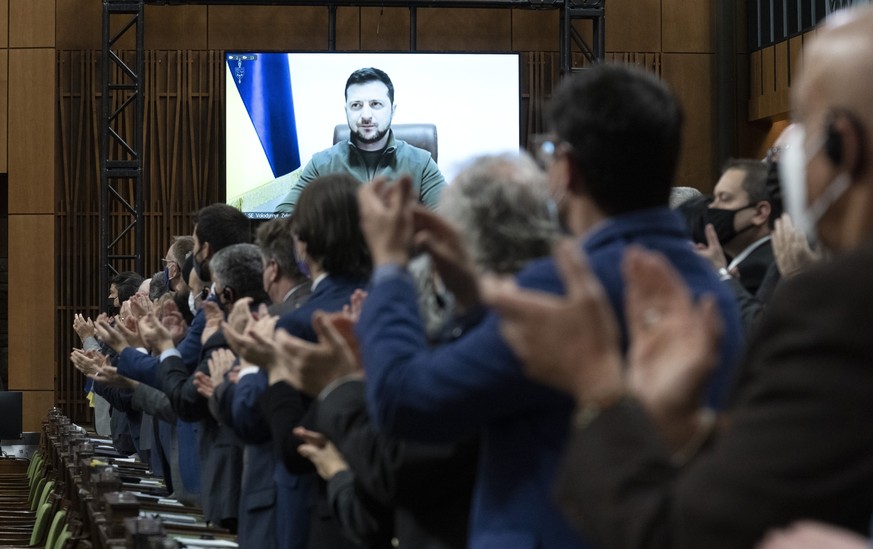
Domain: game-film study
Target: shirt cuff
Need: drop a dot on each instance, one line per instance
(170, 352)
(248, 370)
(389, 271)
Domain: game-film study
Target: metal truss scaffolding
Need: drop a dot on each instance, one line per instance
(121, 143)
(121, 154)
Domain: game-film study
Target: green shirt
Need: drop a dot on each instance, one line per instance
(398, 158)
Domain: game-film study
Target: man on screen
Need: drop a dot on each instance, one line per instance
(371, 149)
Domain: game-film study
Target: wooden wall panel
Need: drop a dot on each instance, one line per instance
(34, 408)
(781, 69)
(795, 57)
(31, 125)
(4, 102)
(464, 29)
(267, 28)
(768, 81)
(633, 25)
(688, 26)
(348, 28)
(535, 30)
(383, 29)
(4, 23)
(31, 304)
(87, 32)
(31, 23)
(175, 27)
(692, 78)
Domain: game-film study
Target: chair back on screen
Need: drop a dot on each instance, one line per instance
(423, 136)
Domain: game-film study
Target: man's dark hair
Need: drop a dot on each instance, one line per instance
(370, 74)
(126, 284)
(624, 128)
(754, 177)
(221, 225)
(757, 184)
(277, 243)
(326, 219)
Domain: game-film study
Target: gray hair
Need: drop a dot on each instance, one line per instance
(501, 204)
(239, 266)
(681, 195)
(277, 243)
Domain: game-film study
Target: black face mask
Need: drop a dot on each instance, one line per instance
(723, 222)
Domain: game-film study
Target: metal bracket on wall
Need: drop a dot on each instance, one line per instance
(121, 142)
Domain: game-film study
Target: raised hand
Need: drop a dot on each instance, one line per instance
(673, 343)
(255, 344)
(569, 342)
(85, 362)
(84, 327)
(356, 303)
(450, 256)
(107, 333)
(155, 335)
(791, 248)
(240, 316)
(108, 375)
(174, 322)
(204, 384)
(386, 219)
(321, 452)
(220, 362)
(712, 250)
(140, 305)
(310, 367)
(214, 318)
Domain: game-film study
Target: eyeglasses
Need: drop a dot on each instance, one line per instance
(547, 147)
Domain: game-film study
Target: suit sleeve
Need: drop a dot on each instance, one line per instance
(442, 394)
(154, 402)
(366, 522)
(139, 366)
(791, 450)
(285, 408)
(248, 422)
(343, 418)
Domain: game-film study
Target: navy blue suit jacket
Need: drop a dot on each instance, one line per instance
(476, 384)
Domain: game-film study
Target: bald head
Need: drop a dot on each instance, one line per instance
(832, 104)
(838, 64)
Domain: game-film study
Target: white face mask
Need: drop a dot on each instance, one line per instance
(192, 304)
(792, 178)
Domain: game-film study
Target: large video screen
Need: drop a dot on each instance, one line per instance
(281, 108)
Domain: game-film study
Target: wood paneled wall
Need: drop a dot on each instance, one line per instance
(51, 53)
(771, 71)
(28, 140)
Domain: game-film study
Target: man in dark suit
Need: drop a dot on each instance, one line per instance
(264, 497)
(797, 445)
(741, 218)
(476, 383)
